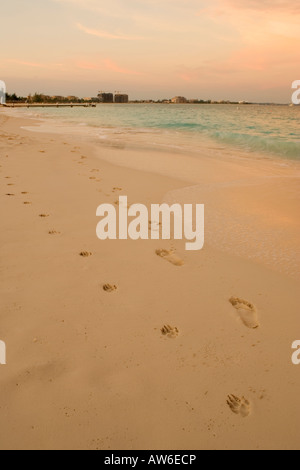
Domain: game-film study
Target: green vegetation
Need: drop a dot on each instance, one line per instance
(39, 98)
(14, 98)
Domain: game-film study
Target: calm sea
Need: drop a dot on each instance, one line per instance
(272, 130)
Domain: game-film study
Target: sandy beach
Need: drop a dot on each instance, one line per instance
(124, 349)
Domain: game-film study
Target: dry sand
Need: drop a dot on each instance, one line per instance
(110, 346)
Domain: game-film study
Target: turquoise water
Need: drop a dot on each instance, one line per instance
(272, 130)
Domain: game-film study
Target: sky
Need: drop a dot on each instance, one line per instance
(152, 49)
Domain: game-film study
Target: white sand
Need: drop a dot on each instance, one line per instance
(87, 368)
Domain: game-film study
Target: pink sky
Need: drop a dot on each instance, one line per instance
(211, 49)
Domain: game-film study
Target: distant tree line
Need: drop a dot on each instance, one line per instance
(42, 98)
(14, 98)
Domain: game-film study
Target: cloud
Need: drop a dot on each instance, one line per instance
(258, 22)
(251, 64)
(88, 4)
(110, 65)
(264, 5)
(104, 34)
(188, 5)
(262, 10)
(153, 15)
(84, 65)
(106, 64)
(35, 64)
(94, 5)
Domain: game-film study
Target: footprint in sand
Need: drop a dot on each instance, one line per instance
(8, 194)
(169, 331)
(85, 254)
(27, 203)
(155, 226)
(43, 216)
(117, 203)
(53, 232)
(109, 288)
(24, 192)
(239, 406)
(170, 256)
(247, 312)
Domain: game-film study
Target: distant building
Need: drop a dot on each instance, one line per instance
(179, 100)
(106, 97)
(121, 98)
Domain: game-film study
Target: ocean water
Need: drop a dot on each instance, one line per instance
(267, 130)
(265, 227)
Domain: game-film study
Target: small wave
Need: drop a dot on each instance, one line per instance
(270, 145)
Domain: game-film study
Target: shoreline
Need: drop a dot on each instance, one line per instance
(88, 368)
(181, 140)
(218, 170)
